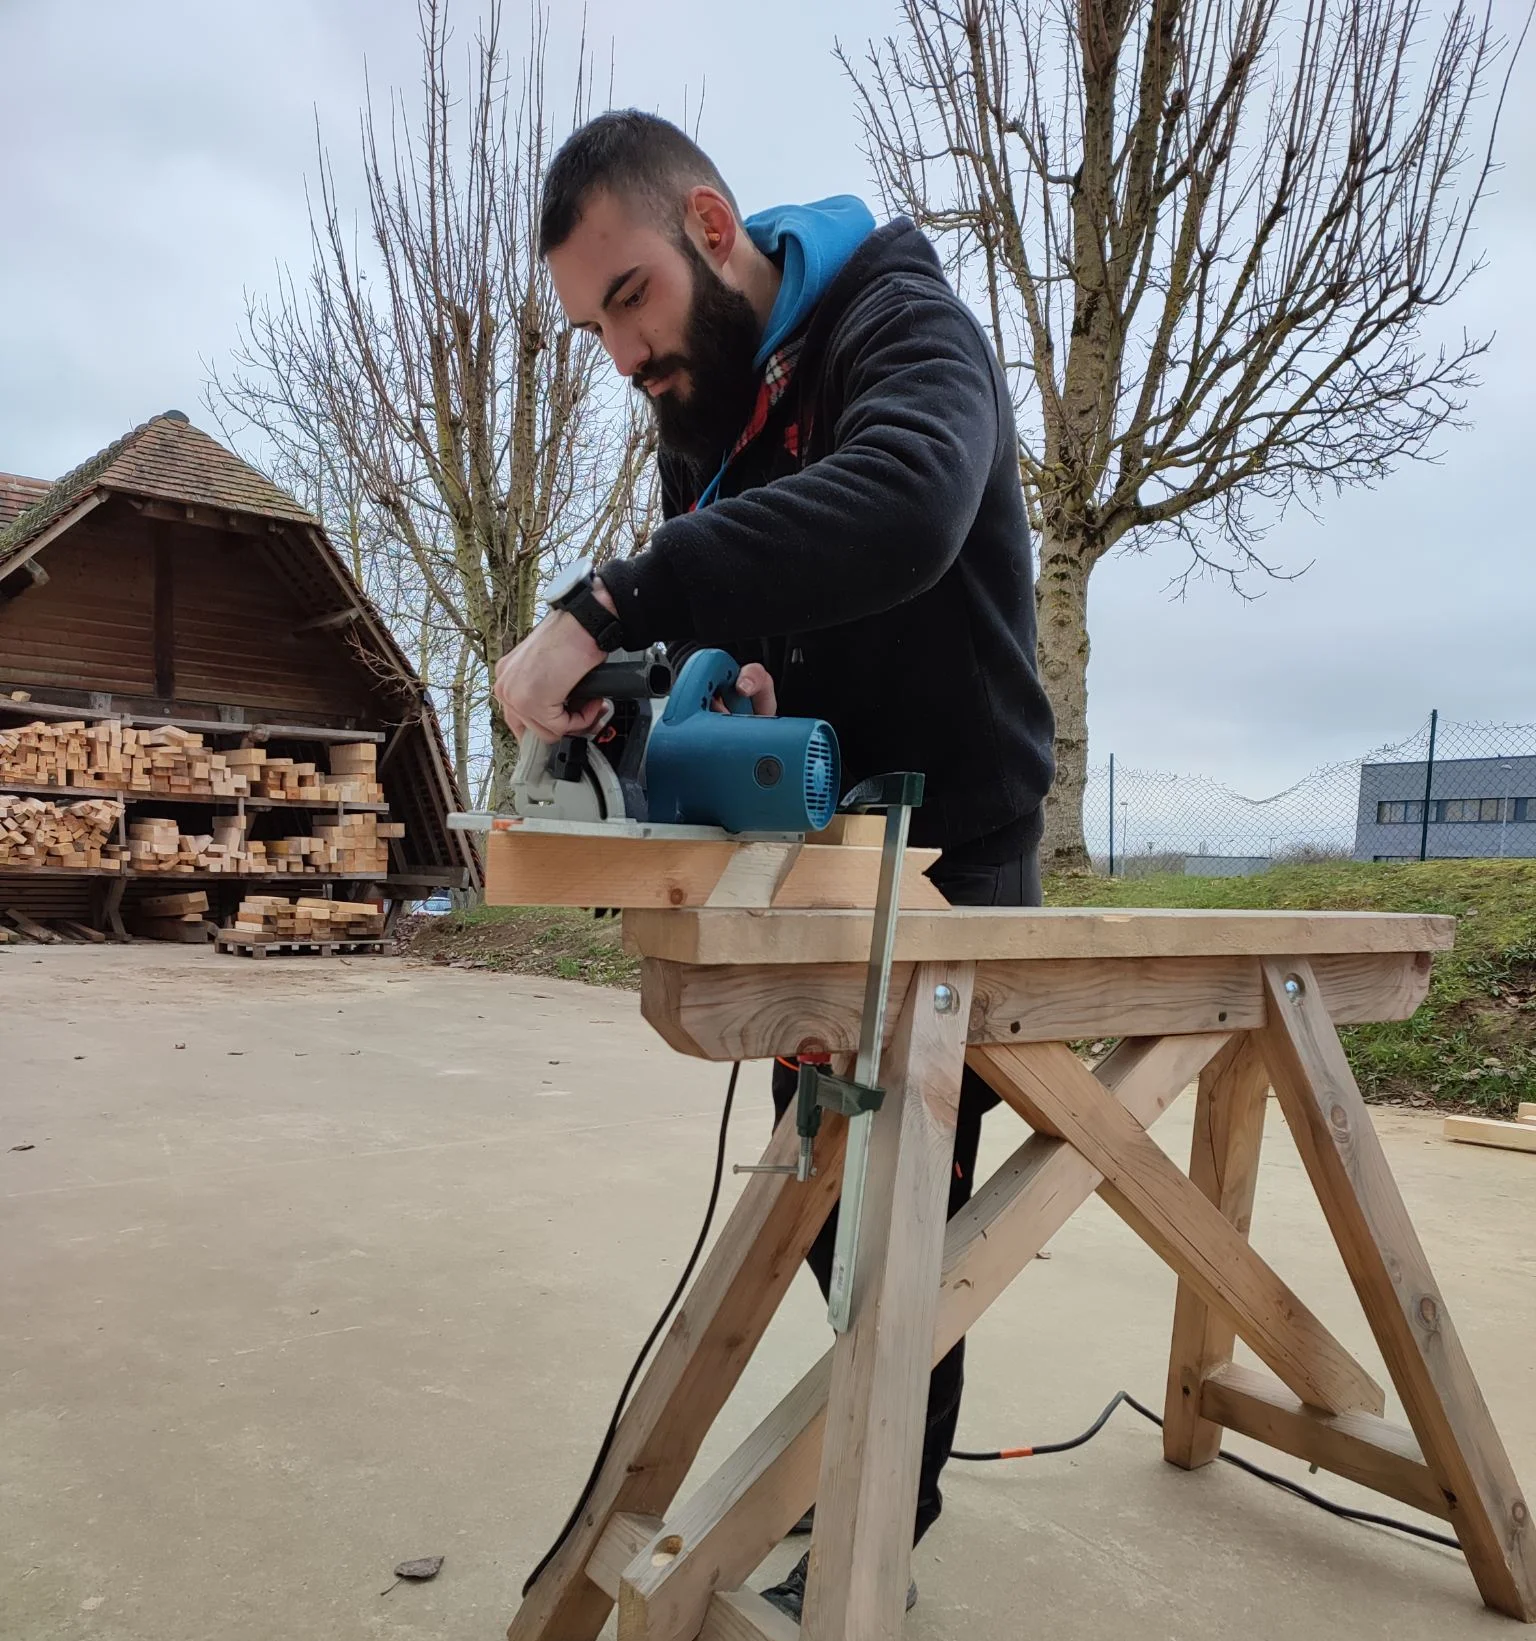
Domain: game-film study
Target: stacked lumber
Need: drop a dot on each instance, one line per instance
(180, 917)
(352, 777)
(35, 832)
(358, 843)
(165, 761)
(156, 843)
(354, 845)
(354, 771)
(274, 917)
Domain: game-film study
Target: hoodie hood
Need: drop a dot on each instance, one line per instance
(813, 243)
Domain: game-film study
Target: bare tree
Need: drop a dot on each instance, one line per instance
(1206, 234)
(423, 392)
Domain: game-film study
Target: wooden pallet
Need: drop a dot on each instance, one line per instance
(245, 945)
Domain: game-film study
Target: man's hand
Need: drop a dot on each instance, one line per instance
(534, 680)
(756, 683)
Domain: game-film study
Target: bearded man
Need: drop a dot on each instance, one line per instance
(844, 516)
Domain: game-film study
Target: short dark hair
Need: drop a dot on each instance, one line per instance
(634, 155)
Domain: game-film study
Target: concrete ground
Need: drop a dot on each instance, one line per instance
(314, 1267)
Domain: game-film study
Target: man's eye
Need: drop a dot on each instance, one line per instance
(635, 297)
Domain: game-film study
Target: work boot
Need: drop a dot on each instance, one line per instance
(789, 1597)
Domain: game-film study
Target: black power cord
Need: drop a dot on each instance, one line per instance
(655, 1334)
(1341, 1510)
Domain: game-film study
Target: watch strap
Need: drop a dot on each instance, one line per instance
(605, 628)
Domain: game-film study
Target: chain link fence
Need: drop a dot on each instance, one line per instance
(1449, 792)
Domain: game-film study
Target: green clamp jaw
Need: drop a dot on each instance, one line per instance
(820, 1090)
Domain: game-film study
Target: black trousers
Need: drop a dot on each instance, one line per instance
(1015, 882)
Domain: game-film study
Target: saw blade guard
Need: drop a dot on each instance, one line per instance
(733, 769)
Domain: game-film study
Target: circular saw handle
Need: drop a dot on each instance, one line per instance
(705, 676)
(641, 679)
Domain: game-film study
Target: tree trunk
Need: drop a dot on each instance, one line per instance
(1061, 606)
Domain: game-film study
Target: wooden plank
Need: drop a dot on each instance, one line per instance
(625, 1536)
(1359, 1446)
(746, 1013)
(165, 619)
(861, 1549)
(743, 1615)
(1406, 1310)
(195, 900)
(1053, 1091)
(868, 830)
(762, 1489)
(712, 1337)
(550, 869)
(216, 726)
(32, 930)
(1527, 1111)
(1224, 1166)
(993, 934)
(754, 874)
(83, 931)
(1507, 1136)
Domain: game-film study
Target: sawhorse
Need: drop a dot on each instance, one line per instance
(1240, 1001)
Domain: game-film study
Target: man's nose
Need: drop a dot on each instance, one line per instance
(629, 353)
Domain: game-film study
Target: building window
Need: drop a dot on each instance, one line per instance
(1397, 813)
(1525, 809)
(1470, 809)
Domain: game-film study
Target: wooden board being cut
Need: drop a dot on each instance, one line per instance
(987, 934)
(1507, 1136)
(553, 869)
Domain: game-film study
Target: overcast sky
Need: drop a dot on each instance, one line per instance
(155, 157)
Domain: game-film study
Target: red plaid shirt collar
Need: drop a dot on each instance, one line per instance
(778, 373)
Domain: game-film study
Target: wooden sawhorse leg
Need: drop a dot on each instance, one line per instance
(1397, 1290)
(712, 1337)
(1224, 1164)
(866, 1503)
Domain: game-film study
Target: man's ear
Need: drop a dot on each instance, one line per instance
(711, 224)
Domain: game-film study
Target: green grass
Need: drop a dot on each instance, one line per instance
(564, 944)
(1471, 1046)
(1473, 1043)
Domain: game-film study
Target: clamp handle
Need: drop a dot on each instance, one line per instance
(896, 791)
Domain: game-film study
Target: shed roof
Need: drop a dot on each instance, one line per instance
(17, 494)
(165, 458)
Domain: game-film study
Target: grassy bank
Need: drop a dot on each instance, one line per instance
(1473, 1043)
(1471, 1046)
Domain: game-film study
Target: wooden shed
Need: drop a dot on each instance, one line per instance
(166, 582)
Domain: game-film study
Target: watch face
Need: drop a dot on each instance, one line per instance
(568, 580)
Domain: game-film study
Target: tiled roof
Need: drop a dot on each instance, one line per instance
(17, 494)
(168, 459)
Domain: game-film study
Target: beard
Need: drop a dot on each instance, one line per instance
(719, 342)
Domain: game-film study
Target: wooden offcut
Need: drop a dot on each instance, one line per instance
(525, 868)
(1506, 1136)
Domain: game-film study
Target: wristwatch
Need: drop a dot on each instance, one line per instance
(572, 591)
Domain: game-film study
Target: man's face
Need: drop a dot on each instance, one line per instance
(668, 320)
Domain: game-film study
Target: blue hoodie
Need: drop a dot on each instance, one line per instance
(814, 243)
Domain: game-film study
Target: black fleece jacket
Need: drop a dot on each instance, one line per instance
(870, 547)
